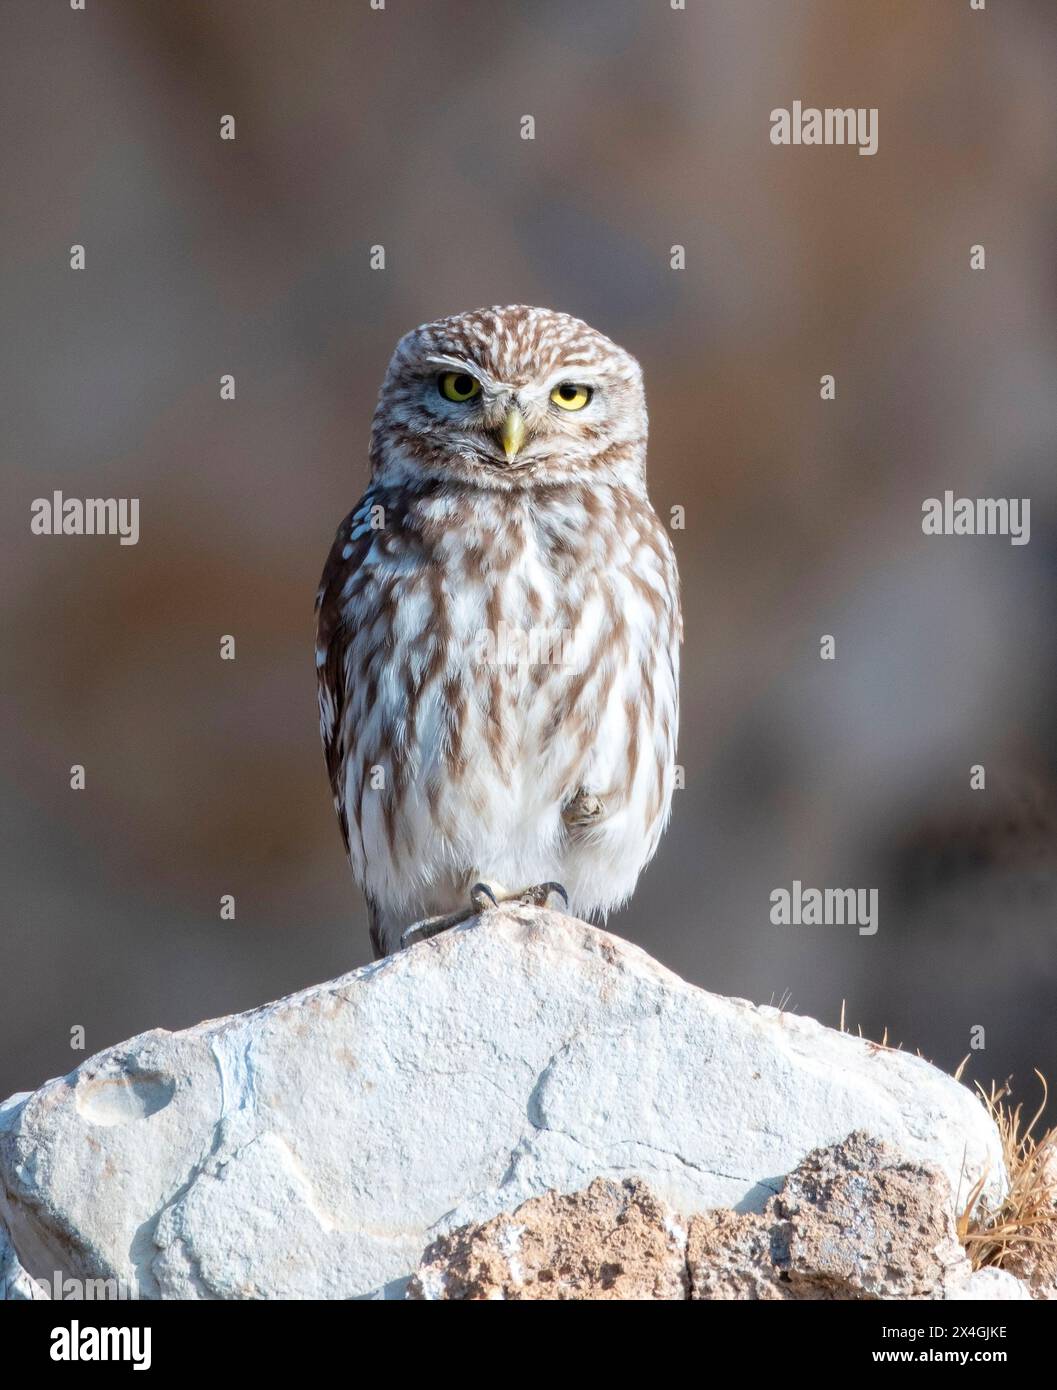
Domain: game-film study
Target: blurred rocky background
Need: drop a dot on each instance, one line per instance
(401, 127)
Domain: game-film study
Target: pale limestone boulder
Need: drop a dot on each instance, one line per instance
(316, 1146)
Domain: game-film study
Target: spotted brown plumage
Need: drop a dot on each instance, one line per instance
(498, 632)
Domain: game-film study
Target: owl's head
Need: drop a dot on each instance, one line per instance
(510, 398)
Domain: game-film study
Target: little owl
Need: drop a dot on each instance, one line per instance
(499, 628)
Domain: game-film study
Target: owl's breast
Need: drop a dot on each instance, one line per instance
(486, 665)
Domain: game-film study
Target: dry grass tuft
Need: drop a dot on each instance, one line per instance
(1021, 1234)
(883, 1046)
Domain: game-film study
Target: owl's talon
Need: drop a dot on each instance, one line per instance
(486, 895)
(482, 897)
(538, 895)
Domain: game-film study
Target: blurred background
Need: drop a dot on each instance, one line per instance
(401, 127)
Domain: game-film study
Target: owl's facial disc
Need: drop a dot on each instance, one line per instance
(506, 425)
(482, 416)
(512, 397)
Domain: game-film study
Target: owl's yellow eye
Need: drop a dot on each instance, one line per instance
(570, 396)
(458, 386)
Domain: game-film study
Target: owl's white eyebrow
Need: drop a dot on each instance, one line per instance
(457, 364)
(569, 373)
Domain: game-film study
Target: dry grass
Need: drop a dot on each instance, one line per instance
(883, 1046)
(1021, 1234)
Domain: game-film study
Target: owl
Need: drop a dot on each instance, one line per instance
(498, 630)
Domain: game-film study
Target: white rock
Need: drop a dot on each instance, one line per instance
(15, 1284)
(313, 1147)
(989, 1286)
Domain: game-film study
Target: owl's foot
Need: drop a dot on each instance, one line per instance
(484, 896)
(536, 896)
(433, 926)
(584, 809)
(539, 895)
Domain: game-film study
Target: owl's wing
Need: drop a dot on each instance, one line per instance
(333, 635)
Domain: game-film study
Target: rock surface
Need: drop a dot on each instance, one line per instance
(852, 1222)
(314, 1147)
(611, 1241)
(989, 1286)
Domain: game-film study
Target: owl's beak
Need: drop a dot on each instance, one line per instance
(513, 433)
